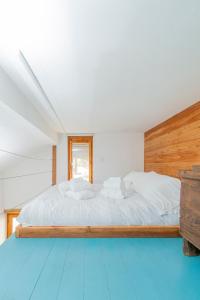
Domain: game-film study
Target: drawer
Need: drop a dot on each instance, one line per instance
(190, 211)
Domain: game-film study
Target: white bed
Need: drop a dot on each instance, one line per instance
(51, 208)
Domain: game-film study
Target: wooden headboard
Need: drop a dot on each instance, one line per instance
(174, 145)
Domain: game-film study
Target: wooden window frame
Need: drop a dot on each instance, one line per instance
(10, 215)
(80, 139)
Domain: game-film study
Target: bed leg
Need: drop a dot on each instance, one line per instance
(189, 249)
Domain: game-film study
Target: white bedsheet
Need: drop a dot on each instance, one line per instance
(51, 208)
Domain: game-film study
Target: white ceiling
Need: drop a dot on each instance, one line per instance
(106, 65)
(17, 136)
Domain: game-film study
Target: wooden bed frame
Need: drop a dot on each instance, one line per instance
(96, 231)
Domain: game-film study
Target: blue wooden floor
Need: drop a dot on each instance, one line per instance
(97, 269)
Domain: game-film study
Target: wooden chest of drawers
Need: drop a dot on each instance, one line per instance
(190, 211)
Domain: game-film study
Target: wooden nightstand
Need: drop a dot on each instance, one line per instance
(190, 211)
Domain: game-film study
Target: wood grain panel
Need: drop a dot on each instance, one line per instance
(174, 145)
(96, 231)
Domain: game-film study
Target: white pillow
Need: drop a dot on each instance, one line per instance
(160, 190)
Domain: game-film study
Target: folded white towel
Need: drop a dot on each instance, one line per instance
(82, 195)
(113, 188)
(113, 182)
(116, 194)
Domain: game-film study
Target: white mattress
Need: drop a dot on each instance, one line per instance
(52, 209)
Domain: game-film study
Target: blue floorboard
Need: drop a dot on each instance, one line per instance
(97, 269)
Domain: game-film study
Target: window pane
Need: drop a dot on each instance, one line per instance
(14, 224)
(80, 160)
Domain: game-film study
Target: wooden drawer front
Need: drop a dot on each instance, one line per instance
(190, 211)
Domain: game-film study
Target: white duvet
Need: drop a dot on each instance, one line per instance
(51, 208)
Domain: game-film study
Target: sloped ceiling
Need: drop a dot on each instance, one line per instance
(106, 65)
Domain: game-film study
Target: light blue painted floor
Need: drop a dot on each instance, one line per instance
(97, 269)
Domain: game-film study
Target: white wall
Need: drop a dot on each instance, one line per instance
(15, 191)
(115, 154)
(62, 158)
(22, 189)
(1, 195)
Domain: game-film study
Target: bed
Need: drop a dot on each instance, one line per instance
(149, 214)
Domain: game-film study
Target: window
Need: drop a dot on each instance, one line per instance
(80, 157)
(11, 221)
